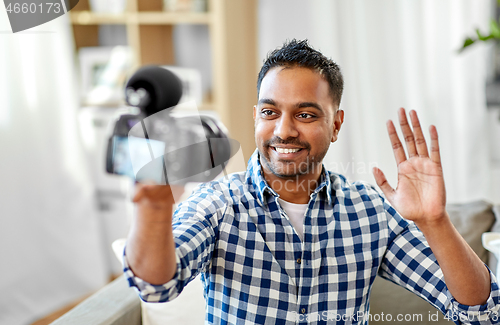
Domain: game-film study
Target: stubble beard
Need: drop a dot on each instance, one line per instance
(287, 169)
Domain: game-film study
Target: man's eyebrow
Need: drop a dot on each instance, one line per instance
(266, 101)
(310, 104)
(270, 101)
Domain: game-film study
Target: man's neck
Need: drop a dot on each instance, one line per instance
(295, 189)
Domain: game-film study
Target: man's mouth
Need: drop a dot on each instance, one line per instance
(286, 150)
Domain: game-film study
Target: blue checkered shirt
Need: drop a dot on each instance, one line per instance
(256, 270)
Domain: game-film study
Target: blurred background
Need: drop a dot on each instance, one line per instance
(61, 86)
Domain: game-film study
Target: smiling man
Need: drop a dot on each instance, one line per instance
(290, 242)
(296, 119)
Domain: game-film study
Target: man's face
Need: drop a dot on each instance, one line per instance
(295, 121)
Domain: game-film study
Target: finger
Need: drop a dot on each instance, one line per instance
(419, 135)
(435, 155)
(397, 147)
(139, 193)
(152, 193)
(383, 184)
(407, 133)
(158, 193)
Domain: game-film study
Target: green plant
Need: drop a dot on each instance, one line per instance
(480, 37)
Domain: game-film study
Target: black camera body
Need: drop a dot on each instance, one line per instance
(154, 143)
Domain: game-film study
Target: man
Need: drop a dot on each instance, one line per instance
(288, 241)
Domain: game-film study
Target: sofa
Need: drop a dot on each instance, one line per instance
(118, 304)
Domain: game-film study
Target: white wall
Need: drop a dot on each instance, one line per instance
(494, 149)
(50, 240)
(399, 53)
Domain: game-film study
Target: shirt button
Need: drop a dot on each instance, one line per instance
(299, 261)
(303, 310)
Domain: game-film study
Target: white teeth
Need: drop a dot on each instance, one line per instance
(283, 150)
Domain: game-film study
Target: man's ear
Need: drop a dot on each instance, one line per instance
(254, 111)
(337, 124)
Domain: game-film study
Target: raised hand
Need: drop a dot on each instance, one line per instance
(420, 194)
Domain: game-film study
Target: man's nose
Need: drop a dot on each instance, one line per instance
(285, 127)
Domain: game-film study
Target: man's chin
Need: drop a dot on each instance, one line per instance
(284, 170)
(282, 174)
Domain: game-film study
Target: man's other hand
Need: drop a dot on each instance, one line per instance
(420, 194)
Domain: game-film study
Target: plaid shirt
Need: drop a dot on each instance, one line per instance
(256, 270)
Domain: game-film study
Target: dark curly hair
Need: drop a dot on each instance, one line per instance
(295, 53)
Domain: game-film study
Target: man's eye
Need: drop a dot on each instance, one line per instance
(305, 116)
(267, 112)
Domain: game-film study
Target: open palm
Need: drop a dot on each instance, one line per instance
(420, 194)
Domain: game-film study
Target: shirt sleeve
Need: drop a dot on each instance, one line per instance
(195, 230)
(410, 263)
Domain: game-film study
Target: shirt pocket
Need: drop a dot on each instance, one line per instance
(349, 268)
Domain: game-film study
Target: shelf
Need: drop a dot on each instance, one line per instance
(150, 33)
(91, 18)
(171, 18)
(143, 18)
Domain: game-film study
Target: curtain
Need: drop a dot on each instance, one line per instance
(399, 53)
(50, 241)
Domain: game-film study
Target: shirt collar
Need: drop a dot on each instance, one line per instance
(256, 178)
(325, 185)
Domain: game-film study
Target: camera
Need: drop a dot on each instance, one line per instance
(154, 142)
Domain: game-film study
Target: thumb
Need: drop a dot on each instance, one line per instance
(383, 184)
